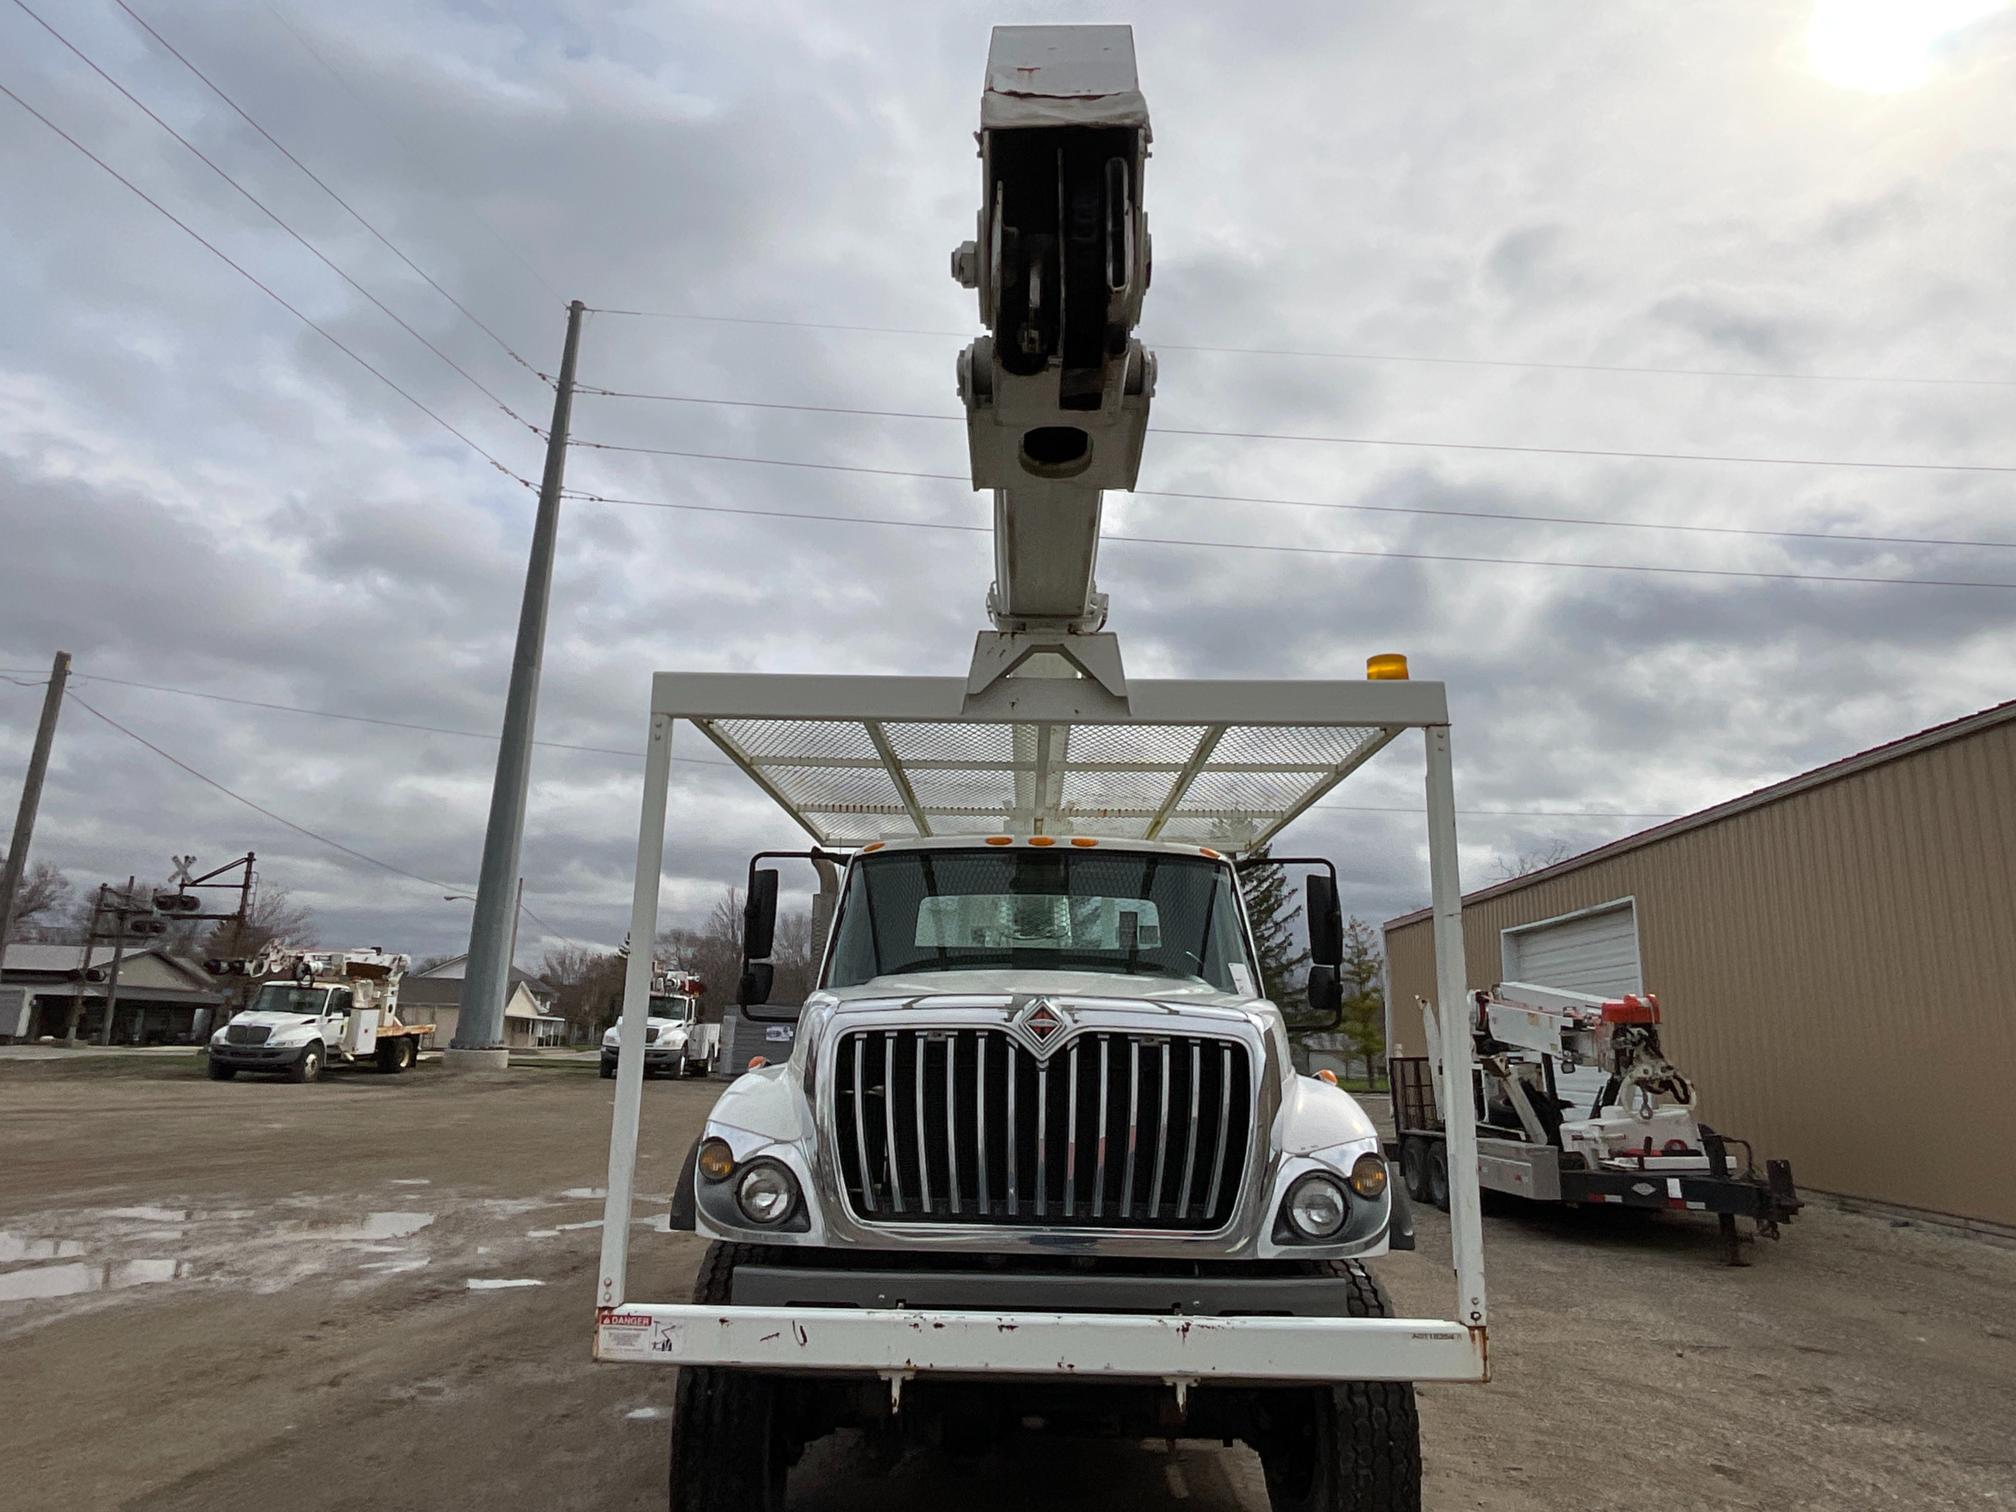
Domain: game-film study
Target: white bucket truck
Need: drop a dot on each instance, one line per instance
(1037, 1158)
(318, 1008)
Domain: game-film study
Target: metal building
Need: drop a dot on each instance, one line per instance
(1835, 958)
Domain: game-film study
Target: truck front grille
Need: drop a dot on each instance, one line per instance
(246, 1034)
(1112, 1130)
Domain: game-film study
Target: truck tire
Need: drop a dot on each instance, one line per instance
(308, 1066)
(1438, 1175)
(1353, 1448)
(728, 1454)
(1414, 1167)
(608, 1070)
(395, 1055)
(221, 1072)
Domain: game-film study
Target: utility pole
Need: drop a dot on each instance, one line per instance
(486, 982)
(124, 915)
(31, 795)
(84, 970)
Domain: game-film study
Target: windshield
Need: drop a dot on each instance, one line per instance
(1138, 913)
(276, 997)
(679, 1008)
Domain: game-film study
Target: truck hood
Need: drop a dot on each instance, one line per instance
(1178, 993)
(274, 1020)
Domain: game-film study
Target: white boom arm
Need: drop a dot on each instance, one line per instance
(1057, 393)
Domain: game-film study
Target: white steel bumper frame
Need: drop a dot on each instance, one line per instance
(899, 1344)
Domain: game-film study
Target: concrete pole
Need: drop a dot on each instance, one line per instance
(31, 795)
(479, 1027)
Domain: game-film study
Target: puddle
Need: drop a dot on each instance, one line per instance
(567, 1228)
(484, 1283)
(16, 1247)
(411, 1181)
(76, 1280)
(585, 1194)
(552, 1233)
(647, 1414)
(147, 1214)
(396, 1267)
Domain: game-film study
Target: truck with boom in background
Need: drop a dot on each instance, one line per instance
(315, 1009)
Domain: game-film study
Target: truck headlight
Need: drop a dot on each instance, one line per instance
(767, 1194)
(1316, 1206)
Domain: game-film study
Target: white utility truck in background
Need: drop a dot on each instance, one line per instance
(1038, 1160)
(1578, 1104)
(319, 1008)
(676, 1040)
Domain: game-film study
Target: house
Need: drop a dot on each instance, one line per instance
(1834, 958)
(435, 996)
(163, 999)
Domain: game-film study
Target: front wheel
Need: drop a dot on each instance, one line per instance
(608, 1070)
(219, 1072)
(1352, 1448)
(308, 1067)
(729, 1453)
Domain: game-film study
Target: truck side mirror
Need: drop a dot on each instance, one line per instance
(1326, 999)
(1326, 923)
(758, 977)
(759, 917)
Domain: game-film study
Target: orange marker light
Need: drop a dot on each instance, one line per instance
(1387, 666)
(872, 846)
(758, 1062)
(1205, 850)
(1327, 1075)
(1042, 839)
(1083, 840)
(999, 840)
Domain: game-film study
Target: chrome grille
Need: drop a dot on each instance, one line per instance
(1113, 1130)
(247, 1034)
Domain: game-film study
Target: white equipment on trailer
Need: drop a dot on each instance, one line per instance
(318, 1008)
(1579, 1104)
(1038, 1154)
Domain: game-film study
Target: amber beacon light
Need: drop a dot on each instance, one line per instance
(1387, 666)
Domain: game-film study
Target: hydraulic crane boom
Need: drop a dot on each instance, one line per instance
(1057, 392)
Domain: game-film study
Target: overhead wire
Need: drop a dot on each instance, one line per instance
(1424, 511)
(1325, 551)
(1235, 435)
(265, 210)
(378, 118)
(258, 808)
(355, 214)
(1353, 356)
(267, 290)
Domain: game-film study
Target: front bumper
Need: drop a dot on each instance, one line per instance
(899, 1344)
(656, 1057)
(256, 1057)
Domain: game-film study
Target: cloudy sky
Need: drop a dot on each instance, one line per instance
(197, 491)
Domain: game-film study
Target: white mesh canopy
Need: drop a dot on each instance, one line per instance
(1223, 784)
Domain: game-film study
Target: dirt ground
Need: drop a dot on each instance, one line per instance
(252, 1295)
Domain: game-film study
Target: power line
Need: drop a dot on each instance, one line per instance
(354, 213)
(1329, 551)
(1421, 510)
(1243, 351)
(728, 766)
(1232, 435)
(301, 829)
(389, 724)
(240, 270)
(378, 117)
(260, 205)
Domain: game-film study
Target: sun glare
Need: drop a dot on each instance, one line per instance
(1886, 45)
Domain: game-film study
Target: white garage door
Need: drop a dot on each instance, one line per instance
(1594, 951)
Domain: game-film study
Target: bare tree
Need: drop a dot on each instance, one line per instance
(587, 983)
(1553, 853)
(274, 915)
(41, 902)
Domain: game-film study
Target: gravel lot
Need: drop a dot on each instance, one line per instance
(252, 1295)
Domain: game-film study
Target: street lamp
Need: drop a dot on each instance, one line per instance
(517, 909)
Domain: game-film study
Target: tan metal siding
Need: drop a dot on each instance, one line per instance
(1837, 971)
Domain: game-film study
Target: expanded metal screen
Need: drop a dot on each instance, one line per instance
(1225, 785)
